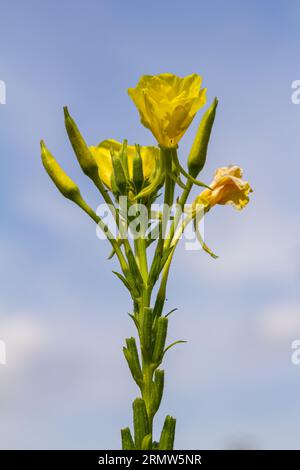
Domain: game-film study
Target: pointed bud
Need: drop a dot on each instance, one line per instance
(61, 180)
(81, 150)
(197, 156)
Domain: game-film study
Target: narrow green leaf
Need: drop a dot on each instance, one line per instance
(171, 311)
(124, 280)
(173, 344)
(135, 321)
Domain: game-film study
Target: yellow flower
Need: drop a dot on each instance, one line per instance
(102, 156)
(167, 104)
(228, 187)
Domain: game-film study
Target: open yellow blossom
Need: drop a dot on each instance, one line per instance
(167, 104)
(102, 156)
(227, 187)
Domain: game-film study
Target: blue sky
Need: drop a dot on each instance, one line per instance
(62, 312)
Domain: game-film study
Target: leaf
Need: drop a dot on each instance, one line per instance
(135, 321)
(180, 341)
(123, 279)
(171, 311)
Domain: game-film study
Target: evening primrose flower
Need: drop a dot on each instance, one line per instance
(102, 155)
(167, 104)
(227, 187)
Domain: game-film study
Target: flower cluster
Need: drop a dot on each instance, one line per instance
(167, 104)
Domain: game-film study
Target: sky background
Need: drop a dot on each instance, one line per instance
(62, 311)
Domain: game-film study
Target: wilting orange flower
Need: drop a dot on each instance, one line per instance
(227, 187)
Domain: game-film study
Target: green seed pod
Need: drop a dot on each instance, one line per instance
(137, 169)
(132, 358)
(160, 341)
(127, 441)
(197, 156)
(166, 441)
(61, 180)
(119, 174)
(81, 150)
(147, 442)
(146, 330)
(159, 378)
(140, 422)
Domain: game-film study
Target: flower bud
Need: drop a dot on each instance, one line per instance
(85, 158)
(197, 156)
(61, 180)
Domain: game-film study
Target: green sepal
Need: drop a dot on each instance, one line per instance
(137, 170)
(140, 422)
(113, 184)
(134, 268)
(155, 182)
(85, 159)
(123, 155)
(127, 441)
(119, 174)
(132, 357)
(160, 339)
(167, 436)
(147, 442)
(197, 155)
